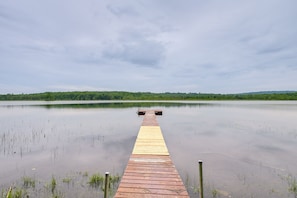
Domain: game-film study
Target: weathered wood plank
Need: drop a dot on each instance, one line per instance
(150, 171)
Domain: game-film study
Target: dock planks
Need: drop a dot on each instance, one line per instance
(150, 171)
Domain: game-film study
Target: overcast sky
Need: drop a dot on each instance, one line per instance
(208, 46)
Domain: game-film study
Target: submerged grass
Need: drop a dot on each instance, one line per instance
(28, 182)
(96, 180)
(85, 174)
(53, 184)
(55, 188)
(14, 193)
(292, 185)
(114, 179)
(19, 192)
(66, 180)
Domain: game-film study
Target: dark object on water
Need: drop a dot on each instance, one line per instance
(142, 112)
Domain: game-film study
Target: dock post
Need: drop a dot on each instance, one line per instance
(201, 179)
(106, 184)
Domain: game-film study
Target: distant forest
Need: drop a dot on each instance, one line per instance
(120, 95)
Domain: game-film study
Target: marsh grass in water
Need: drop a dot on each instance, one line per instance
(85, 174)
(114, 180)
(53, 184)
(96, 180)
(292, 185)
(55, 187)
(67, 180)
(19, 192)
(14, 193)
(28, 182)
(214, 193)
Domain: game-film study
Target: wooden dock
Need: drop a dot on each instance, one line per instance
(150, 171)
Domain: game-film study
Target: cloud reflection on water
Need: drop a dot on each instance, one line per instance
(245, 146)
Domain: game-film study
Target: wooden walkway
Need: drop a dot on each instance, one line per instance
(150, 171)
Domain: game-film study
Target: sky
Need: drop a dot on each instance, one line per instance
(206, 46)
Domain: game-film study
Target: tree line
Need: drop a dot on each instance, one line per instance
(120, 95)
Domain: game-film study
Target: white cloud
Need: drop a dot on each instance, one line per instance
(150, 45)
(139, 51)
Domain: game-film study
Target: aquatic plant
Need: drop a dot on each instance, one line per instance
(214, 193)
(114, 179)
(28, 186)
(28, 182)
(15, 193)
(66, 180)
(85, 174)
(292, 185)
(53, 184)
(96, 180)
(59, 195)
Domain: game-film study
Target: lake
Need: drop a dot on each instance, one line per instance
(248, 148)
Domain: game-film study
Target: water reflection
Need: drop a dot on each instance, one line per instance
(106, 104)
(248, 148)
(243, 148)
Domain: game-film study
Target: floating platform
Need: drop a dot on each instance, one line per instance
(150, 171)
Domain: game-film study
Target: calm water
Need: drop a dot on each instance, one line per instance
(249, 149)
